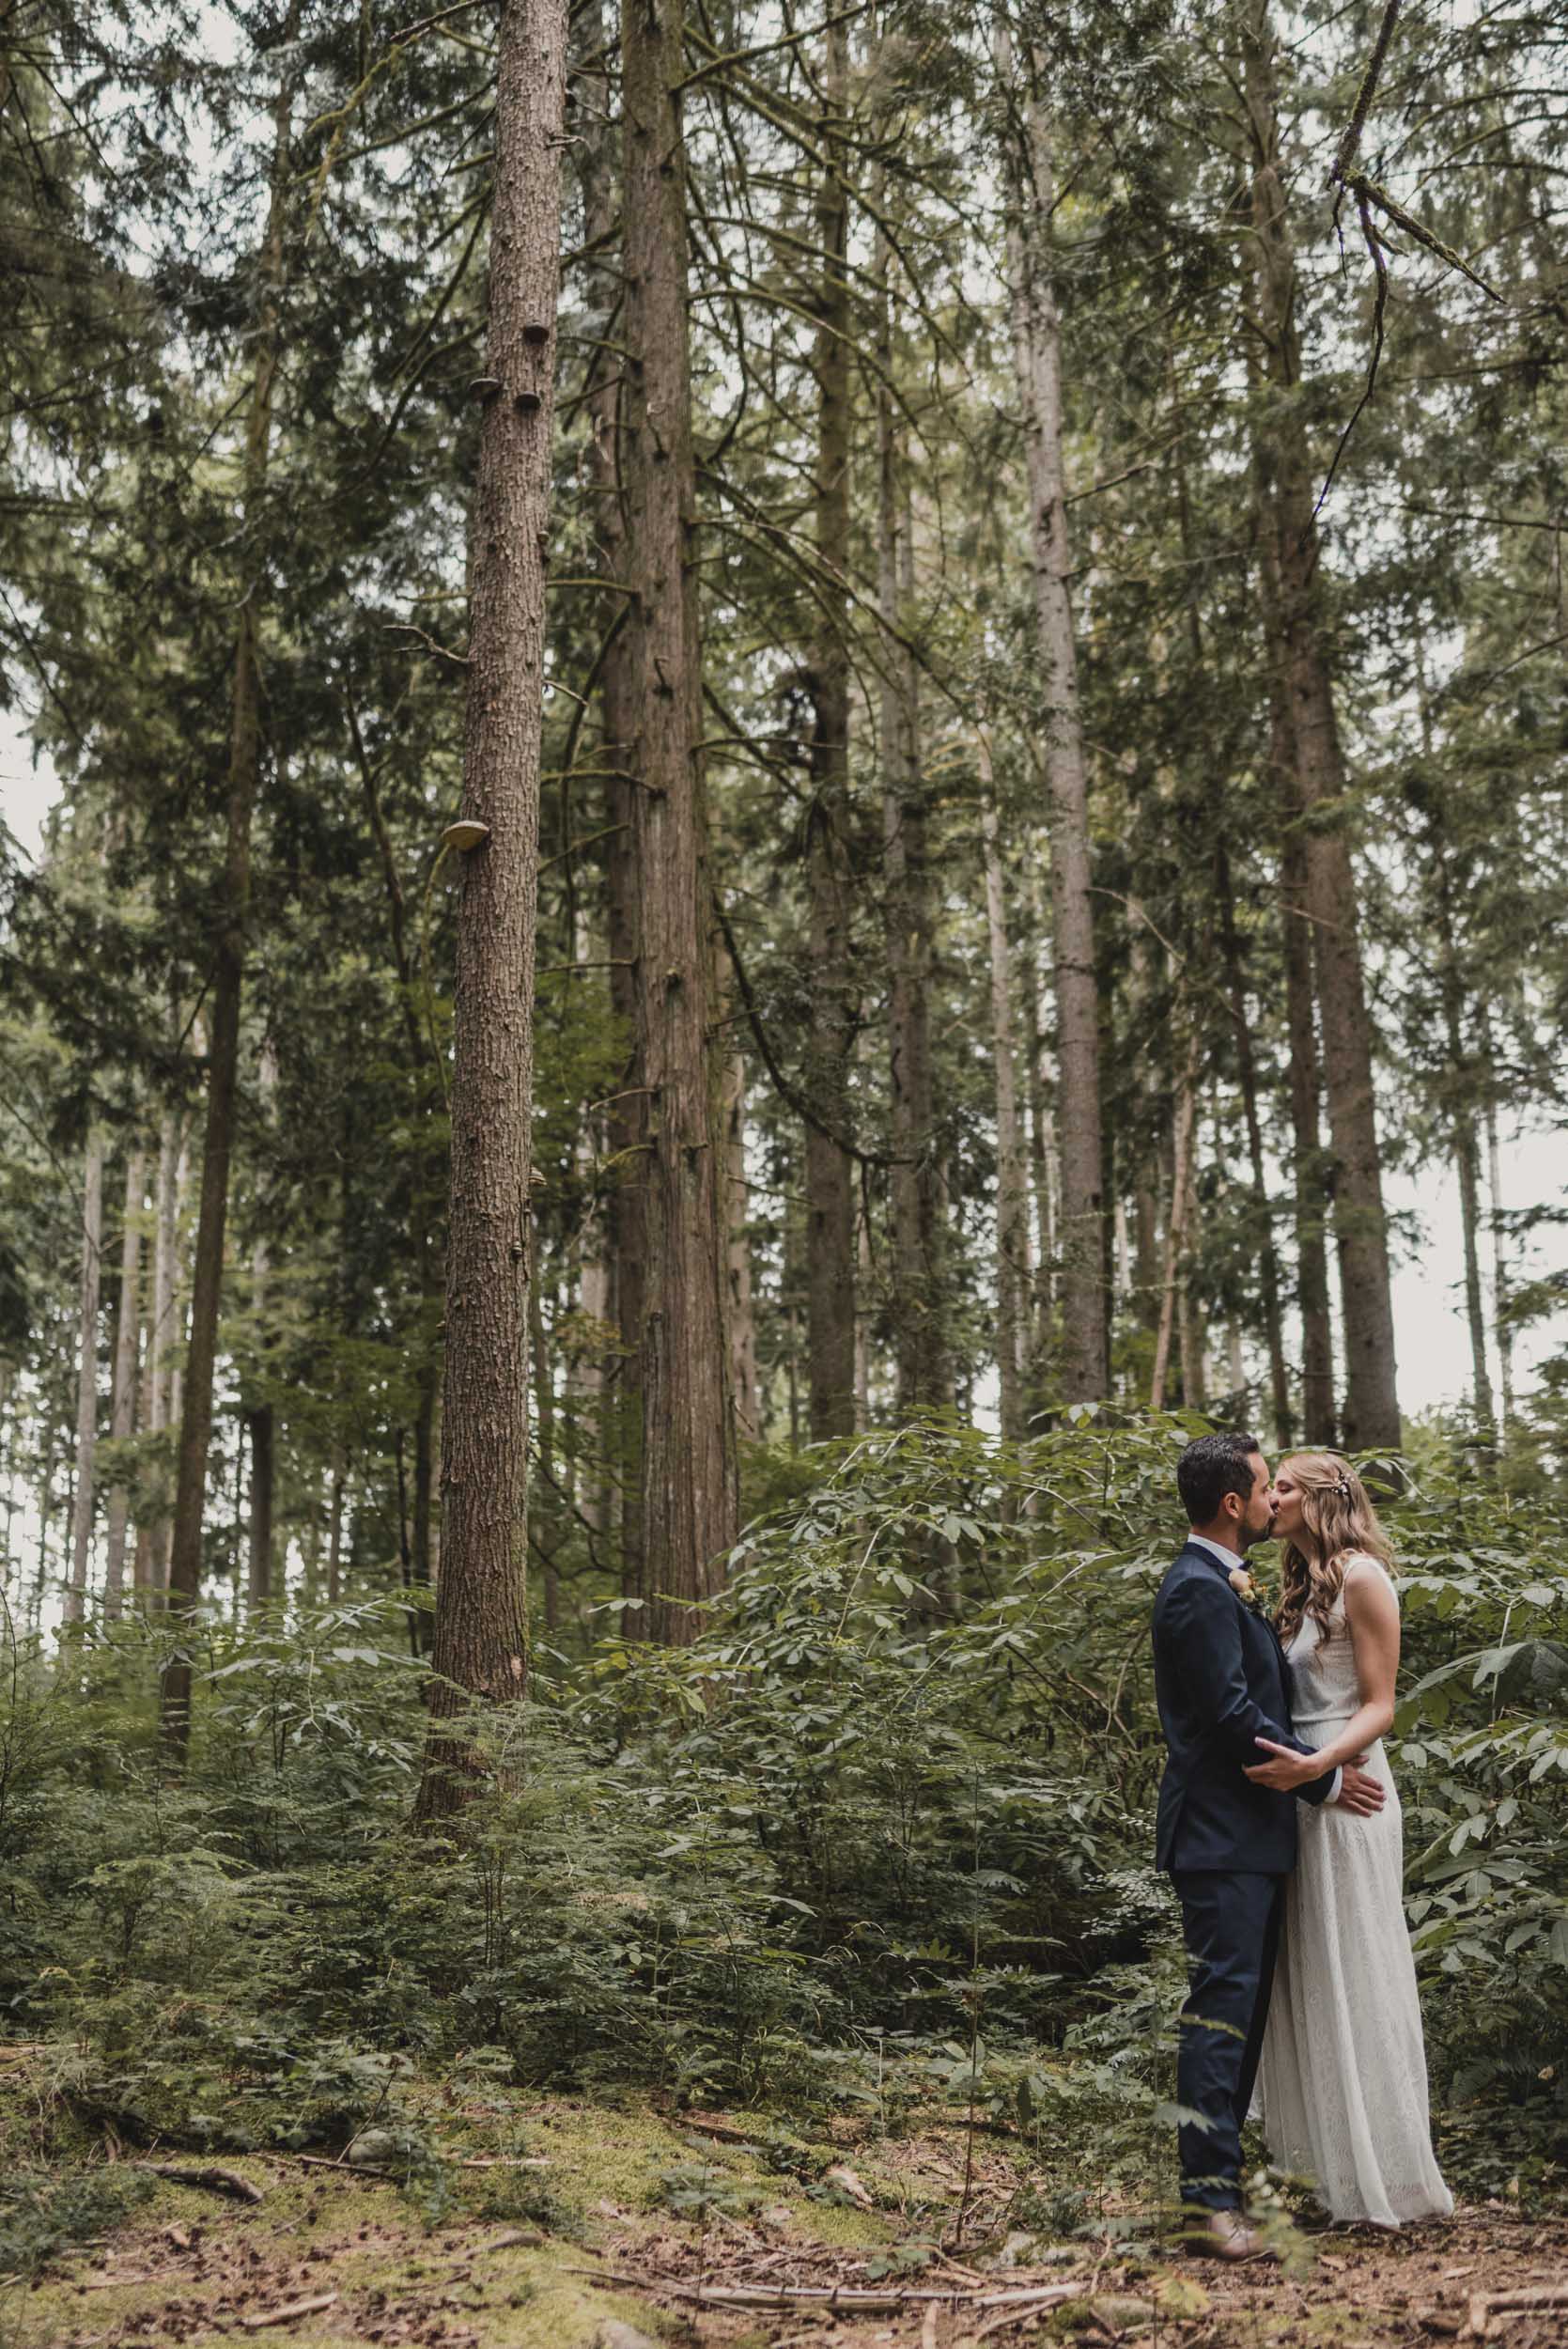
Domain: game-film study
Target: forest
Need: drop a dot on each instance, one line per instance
(777, 784)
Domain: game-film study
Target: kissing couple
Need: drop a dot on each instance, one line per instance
(1279, 1825)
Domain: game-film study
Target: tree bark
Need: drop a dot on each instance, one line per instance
(162, 1377)
(1310, 1174)
(335, 1538)
(547, 1515)
(228, 962)
(830, 1171)
(916, 1300)
(1175, 1224)
(480, 1637)
(1037, 355)
(259, 1426)
(1466, 1161)
(1189, 1319)
(122, 1404)
(426, 1415)
(1014, 1269)
(627, 1115)
(1246, 1070)
(1499, 1257)
(742, 1314)
(1042, 1170)
(1360, 1232)
(259, 1422)
(689, 1480)
(86, 1377)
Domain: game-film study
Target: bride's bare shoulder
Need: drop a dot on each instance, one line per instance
(1365, 1575)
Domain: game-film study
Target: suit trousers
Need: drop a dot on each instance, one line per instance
(1230, 1924)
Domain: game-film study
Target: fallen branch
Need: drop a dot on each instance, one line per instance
(875, 2300)
(287, 2314)
(712, 2125)
(345, 2168)
(216, 2180)
(504, 2161)
(1486, 2305)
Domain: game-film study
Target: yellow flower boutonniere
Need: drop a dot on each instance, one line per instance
(1244, 1588)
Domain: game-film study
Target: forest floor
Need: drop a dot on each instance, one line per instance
(555, 2223)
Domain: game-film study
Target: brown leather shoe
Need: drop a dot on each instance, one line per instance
(1226, 2235)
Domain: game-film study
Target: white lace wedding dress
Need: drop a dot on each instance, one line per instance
(1342, 2083)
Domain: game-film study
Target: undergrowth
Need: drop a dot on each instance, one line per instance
(882, 1835)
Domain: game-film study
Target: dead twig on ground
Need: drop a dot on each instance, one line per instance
(288, 2312)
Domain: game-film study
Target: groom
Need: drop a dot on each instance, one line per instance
(1222, 1683)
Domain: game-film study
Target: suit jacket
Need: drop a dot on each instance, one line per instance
(1221, 1682)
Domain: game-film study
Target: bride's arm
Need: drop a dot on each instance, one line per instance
(1371, 1613)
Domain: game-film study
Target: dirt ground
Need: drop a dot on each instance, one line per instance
(616, 2228)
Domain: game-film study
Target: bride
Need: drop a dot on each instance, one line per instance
(1342, 2083)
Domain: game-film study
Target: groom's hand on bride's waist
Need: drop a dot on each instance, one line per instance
(1287, 1769)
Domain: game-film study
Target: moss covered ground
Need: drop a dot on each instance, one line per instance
(561, 2223)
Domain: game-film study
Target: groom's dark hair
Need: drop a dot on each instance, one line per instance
(1210, 1469)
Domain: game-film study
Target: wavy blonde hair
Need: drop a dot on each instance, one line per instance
(1340, 1522)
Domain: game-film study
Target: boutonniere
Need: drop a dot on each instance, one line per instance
(1244, 1588)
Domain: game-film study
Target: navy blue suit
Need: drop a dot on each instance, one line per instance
(1221, 1683)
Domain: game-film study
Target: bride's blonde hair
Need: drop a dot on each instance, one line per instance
(1340, 1522)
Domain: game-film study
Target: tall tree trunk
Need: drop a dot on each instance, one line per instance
(1310, 1174)
(830, 1187)
(916, 1298)
(1175, 1223)
(1500, 1322)
(1038, 354)
(689, 1494)
(334, 1538)
(864, 1265)
(45, 1511)
(1460, 1085)
(1360, 1231)
(229, 959)
(259, 1426)
(1014, 1270)
(479, 1647)
(86, 1376)
(1464, 1141)
(1145, 1261)
(1247, 1069)
(259, 1423)
(149, 1403)
(122, 1404)
(743, 1316)
(163, 1376)
(627, 1116)
(1042, 1169)
(548, 1515)
(1189, 1319)
(1467, 1163)
(426, 1415)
